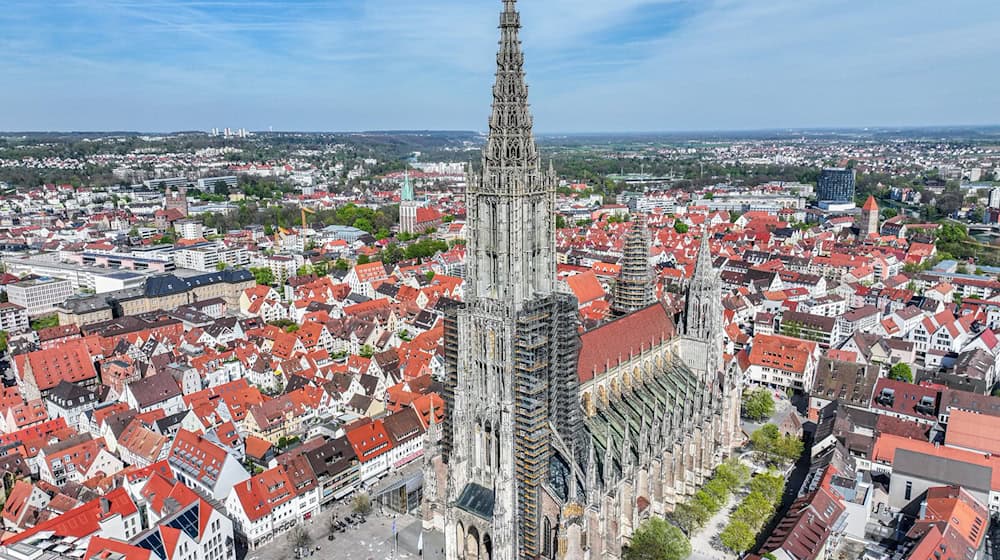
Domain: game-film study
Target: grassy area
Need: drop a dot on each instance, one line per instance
(45, 322)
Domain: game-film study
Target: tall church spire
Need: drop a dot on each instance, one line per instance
(511, 145)
(634, 289)
(511, 204)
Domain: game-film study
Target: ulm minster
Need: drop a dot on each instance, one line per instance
(559, 444)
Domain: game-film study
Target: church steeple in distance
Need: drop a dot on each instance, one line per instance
(512, 202)
(406, 193)
(634, 289)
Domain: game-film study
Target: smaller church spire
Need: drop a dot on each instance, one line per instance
(406, 193)
(634, 289)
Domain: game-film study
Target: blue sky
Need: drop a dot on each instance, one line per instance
(593, 65)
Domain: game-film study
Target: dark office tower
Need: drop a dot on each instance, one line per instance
(836, 184)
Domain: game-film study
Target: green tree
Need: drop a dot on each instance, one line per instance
(758, 405)
(263, 276)
(221, 266)
(658, 540)
(363, 259)
(770, 485)
(737, 536)
(709, 501)
(789, 448)
(680, 227)
(773, 447)
(690, 517)
(367, 351)
(342, 264)
(560, 221)
(901, 372)
(364, 224)
(221, 188)
(3, 341)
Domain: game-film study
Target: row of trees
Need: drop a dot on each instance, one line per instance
(756, 509)
(376, 222)
(659, 539)
(710, 499)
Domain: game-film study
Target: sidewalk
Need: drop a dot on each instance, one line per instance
(701, 543)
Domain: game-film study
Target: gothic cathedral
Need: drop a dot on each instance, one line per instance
(558, 444)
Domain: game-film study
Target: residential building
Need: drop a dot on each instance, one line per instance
(204, 465)
(13, 318)
(781, 362)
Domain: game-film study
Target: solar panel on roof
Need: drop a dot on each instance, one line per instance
(154, 543)
(187, 522)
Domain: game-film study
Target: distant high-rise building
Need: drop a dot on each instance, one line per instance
(995, 198)
(868, 223)
(836, 184)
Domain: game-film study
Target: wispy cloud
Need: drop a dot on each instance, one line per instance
(593, 64)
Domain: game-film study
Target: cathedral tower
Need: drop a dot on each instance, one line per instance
(512, 370)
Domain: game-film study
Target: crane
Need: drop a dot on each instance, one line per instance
(304, 212)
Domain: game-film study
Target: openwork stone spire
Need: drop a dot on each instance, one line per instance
(512, 203)
(703, 317)
(634, 290)
(511, 146)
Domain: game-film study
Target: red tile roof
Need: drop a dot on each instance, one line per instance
(586, 287)
(198, 455)
(369, 440)
(781, 352)
(886, 445)
(260, 494)
(110, 549)
(84, 520)
(67, 362)
(972, 431)
(620, 339)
